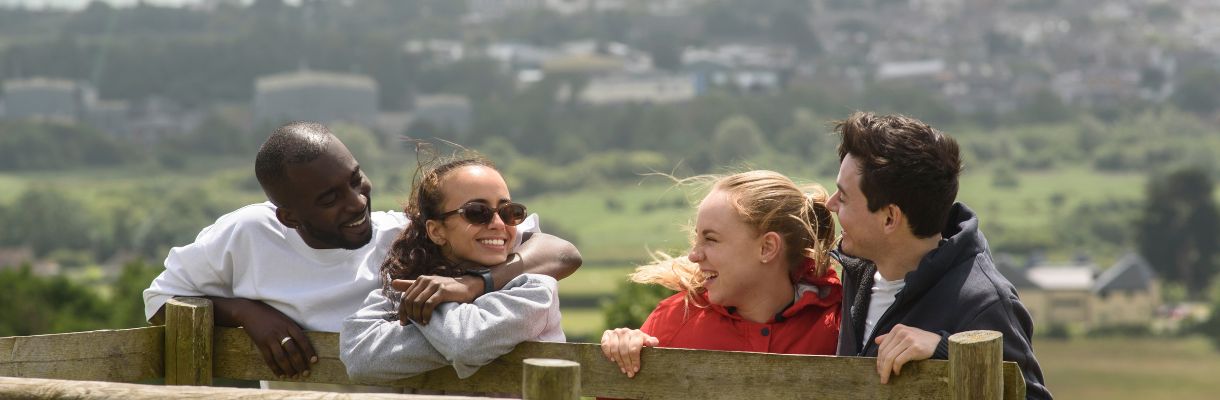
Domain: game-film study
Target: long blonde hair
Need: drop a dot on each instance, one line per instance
(768, 202)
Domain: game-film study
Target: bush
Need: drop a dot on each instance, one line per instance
(1057, 331)
(632, 303)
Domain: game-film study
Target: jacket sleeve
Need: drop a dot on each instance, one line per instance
(471, 335)
(376, 349)
(1011, 319)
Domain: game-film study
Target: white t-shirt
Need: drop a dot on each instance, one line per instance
(881, 300)
(249, 254)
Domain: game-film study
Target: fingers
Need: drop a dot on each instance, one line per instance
(429, 305)
(420, 300)
(884, 363)
(403, 305)
(281, 359)
(607, 339)
(306, 347)
(885, 345)
(295, 355)
(902, 345)
(635, 344)
(612, 340)
(625, 356)
(409, 297)
(401, 285)
(623, 346)
(902, 358)
(265, 349)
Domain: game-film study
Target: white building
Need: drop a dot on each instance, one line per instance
(47, 99)
(640, 88)
(315, 96)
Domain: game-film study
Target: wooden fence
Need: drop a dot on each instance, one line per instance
(189, 350)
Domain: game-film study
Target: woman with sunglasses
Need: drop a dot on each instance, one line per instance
(757, 277)
(469, 223)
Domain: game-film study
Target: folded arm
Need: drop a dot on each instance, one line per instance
(377, 349)
(539, 253)
(472, 335)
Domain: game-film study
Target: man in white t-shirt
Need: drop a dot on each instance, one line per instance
(307, 259)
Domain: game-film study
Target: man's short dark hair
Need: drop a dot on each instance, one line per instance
(904, 162)
(292, 143)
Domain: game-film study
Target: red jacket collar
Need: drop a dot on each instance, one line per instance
(821, 291)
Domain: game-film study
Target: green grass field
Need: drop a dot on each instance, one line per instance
(1143, 369)
(1028, 205)
(648, 217)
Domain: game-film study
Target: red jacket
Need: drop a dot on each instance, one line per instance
(810, 325)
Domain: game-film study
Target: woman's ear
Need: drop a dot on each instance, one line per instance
(436, 232)
(772, 247)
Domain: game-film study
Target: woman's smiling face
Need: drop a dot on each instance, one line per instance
(727, 250)
(486, 244)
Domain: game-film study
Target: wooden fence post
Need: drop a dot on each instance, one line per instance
(188, 341)
(550, 379)
(976, 365)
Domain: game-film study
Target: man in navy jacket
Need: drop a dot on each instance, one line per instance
(916, 268)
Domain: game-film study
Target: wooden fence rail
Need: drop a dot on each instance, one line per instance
(130, 355)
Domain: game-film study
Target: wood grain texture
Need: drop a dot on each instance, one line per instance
(188, 341)
(135, 354)
(666, 373)
(550, 379)
(120, 355)
(975, 365)
(40, 389)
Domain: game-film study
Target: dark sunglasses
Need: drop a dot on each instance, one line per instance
(512, 214)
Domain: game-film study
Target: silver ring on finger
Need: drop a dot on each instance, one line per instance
(285, 340)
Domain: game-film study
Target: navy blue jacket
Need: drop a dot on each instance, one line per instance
(956, 288)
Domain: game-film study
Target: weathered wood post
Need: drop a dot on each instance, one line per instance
(550, 379)
(188, 341)
(976, 365)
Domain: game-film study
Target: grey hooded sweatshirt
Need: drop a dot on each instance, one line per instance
(376, 349)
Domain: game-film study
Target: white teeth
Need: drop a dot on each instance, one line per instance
(492, 242)
(358, 222)
(710, 274)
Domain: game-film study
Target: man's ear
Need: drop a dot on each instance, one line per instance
(287, 217)
(436, 231)
(772, 247)
(895, 219)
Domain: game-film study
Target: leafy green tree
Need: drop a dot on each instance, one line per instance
(35, 305)
(45, 219)
(34, 145)
(1178, 232)
(1198, 91)
(737, 139)
(127, 295)
(632, 303)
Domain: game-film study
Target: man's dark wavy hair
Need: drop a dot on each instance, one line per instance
(904, 162)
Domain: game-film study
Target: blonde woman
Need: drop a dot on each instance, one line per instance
(757, 277)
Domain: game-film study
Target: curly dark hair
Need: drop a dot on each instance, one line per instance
(413, 254)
